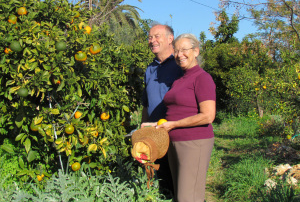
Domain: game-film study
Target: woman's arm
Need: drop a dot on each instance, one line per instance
(206, 116)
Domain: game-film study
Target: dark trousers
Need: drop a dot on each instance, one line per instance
(164, 175)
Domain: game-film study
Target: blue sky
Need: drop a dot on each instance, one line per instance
(188, 16)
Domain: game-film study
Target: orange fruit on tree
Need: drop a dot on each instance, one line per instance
(12, 19)
(61, 46)
(80, 56)
(88, 29)
(22, 11)
(69, 129)
(104, 116)
(15, 46)
(39, 178)
(94, 49)
(95, 134)
(77, 115)
(7, 50)
(81, 25)
(161, 121)
(22, 92)
(76, 166)
(58, 82)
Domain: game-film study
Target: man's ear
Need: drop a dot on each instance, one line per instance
(170, 38)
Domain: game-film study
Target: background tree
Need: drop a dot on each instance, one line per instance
(124, 20)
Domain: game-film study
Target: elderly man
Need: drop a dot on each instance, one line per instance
(159, 77)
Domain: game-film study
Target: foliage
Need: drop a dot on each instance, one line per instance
(83, 186)
(227, 28)
(123, 19)
(245, 178)
(281, 192)
(58, 86)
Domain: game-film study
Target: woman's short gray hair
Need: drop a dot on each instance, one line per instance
(193, 39)
(194, 42)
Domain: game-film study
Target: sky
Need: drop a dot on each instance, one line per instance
(188, 16)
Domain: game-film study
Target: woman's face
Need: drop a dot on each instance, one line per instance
(185, 54)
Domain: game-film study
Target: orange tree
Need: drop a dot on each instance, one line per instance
(250, 80)
(44, 81)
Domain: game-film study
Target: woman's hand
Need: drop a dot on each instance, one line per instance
(146, 124)
(167, 125)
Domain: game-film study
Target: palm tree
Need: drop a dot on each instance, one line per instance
(123, 19)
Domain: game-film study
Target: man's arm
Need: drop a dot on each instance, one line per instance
(145, 117)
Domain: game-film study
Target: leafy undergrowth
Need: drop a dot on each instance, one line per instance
(126, 183)
(246, 150)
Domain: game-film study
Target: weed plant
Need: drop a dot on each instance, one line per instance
(282, 192)
(245, 178)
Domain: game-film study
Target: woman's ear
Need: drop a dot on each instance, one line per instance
(196, 51)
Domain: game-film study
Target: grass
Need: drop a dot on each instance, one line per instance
(242, 155)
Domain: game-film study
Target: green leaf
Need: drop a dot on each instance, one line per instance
(61, 85)
(19, 137)
(125, 108)
(55, 111)
(21, 162)
(8, 148)
(79, 91)
(93, 165)
(27, 145)
(22, 172)
(31, 156)
(19, 123)
(10, 82)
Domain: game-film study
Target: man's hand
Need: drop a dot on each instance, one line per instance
(146, 124)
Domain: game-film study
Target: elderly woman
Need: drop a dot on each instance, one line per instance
(191, 109)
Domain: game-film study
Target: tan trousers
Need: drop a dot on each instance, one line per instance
(189, 161)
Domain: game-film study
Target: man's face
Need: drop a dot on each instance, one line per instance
(158, 39)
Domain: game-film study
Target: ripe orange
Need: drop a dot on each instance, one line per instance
(7, 50)
(161, 121)
(76, 166)
(95, 134)
(58, 82)
(94, 49)
(69, 129)
(12, 19)
(288, 137)
(104, 116)
(22, 11)
(80, 56)
(39, 178)
(88, 29)
(77, 115)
